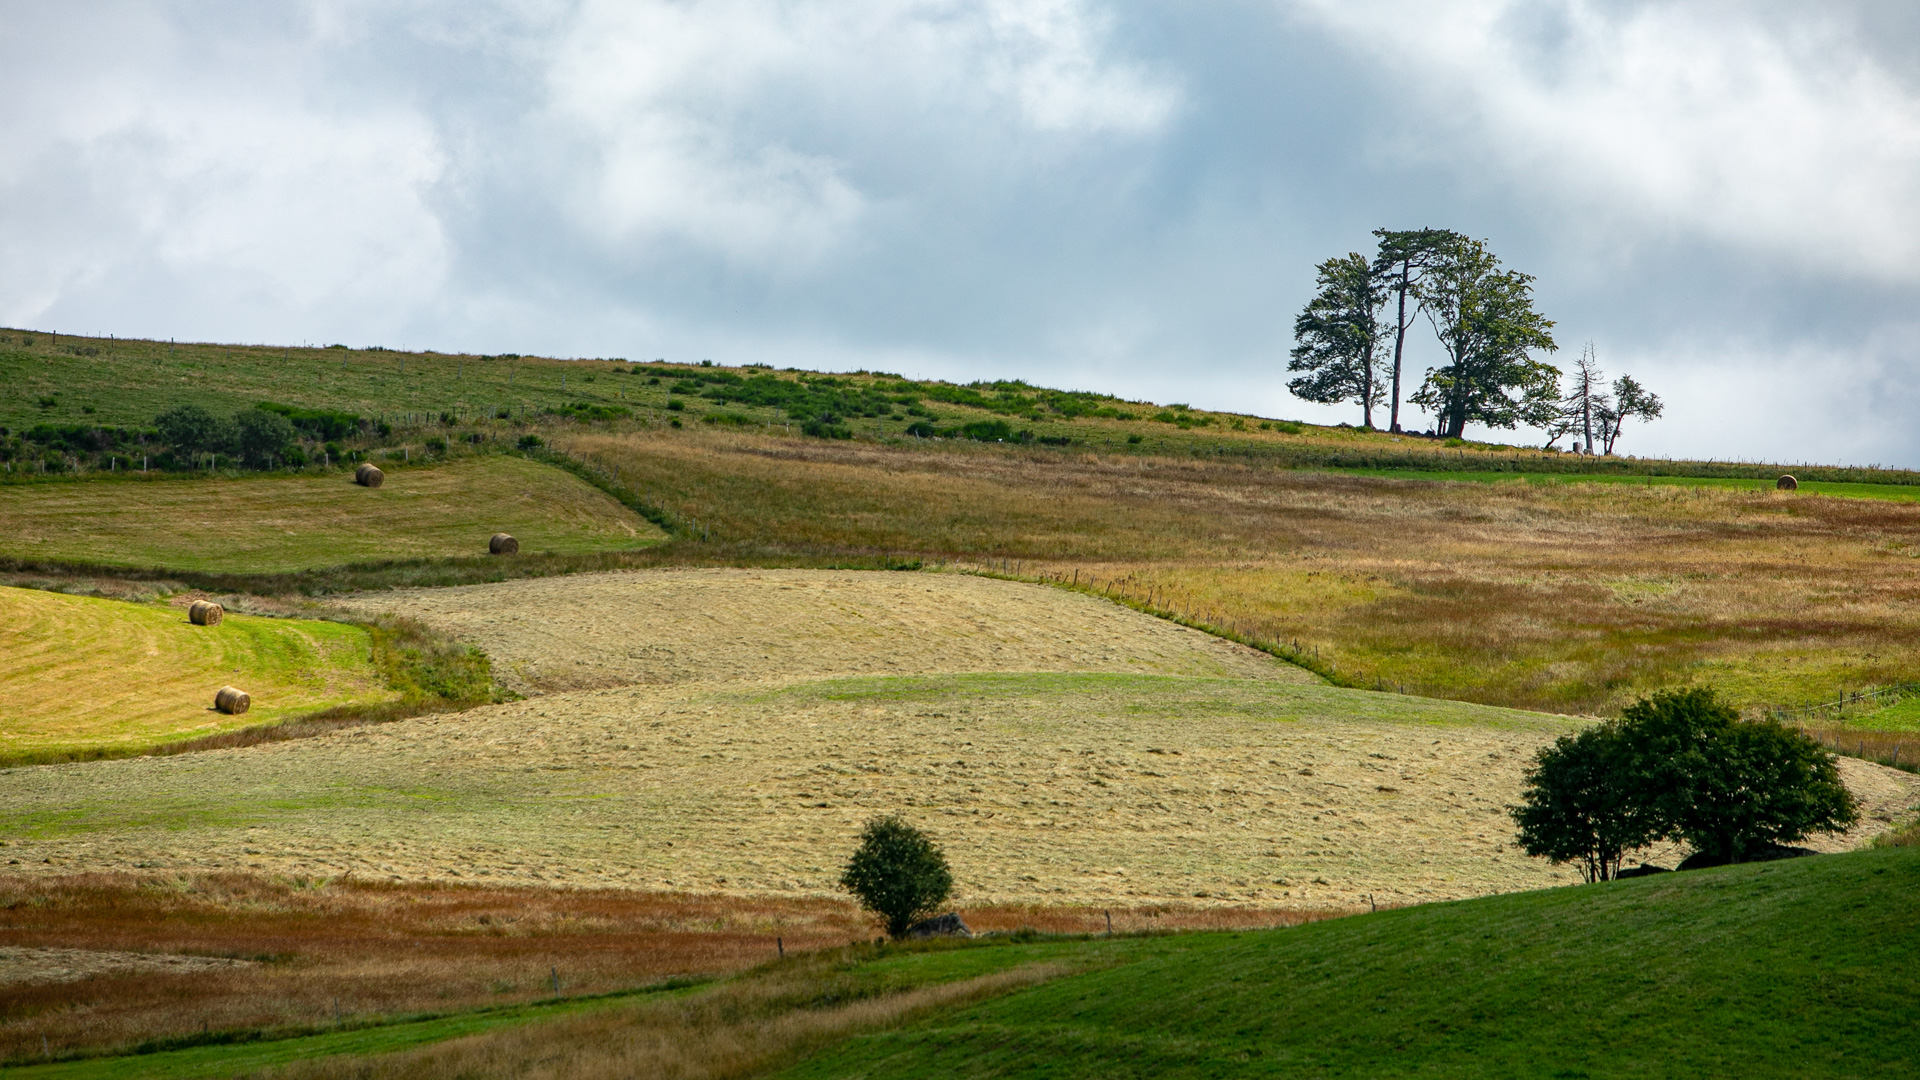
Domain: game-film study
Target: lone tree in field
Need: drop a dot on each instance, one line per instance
(897, 873)
(1680, 765)
(1485, 320)
(1732, 788)
(1403, 261)
(1583, 803)
(1338, 337)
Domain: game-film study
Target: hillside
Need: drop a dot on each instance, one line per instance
(67, 385)
(1790, 969)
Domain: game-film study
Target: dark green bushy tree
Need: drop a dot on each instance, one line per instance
(1485, 320)
(190, 430)
(1575, 807)
(260, 435)
(1338, 337)
(1731, 788)
(897, 873)
(1680, 765)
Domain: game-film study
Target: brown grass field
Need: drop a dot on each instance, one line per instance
(82, 673)
(98, 960)
(1564, 596)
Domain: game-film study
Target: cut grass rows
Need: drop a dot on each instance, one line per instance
(278, 524)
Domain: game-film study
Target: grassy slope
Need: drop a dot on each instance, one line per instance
(283, 523)
(1785, 969)
(1558, 596)
(78, 672)
(126, 383)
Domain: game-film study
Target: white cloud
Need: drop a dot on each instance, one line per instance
(1780, 137)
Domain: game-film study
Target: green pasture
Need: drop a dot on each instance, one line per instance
(1893, 492)
(1794, 969)
(278, 523)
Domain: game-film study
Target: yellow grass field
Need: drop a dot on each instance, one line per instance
(1122, 789)
(284, 523)
(747, 722)
(588, 631)
(78, 672)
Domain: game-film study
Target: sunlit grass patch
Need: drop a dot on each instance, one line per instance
(86, 673)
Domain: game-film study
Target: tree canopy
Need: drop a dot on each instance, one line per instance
(897, 873)
(1680, 765)
(1338, 337)
(1485, 320)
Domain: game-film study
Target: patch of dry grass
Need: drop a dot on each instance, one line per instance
(591, 631)
(1566, 596)
(162, 957)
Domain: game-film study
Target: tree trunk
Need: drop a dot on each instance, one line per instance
(1399, 342)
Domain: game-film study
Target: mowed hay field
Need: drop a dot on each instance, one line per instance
(1063, 788)
(80, 673)
(621, 628)
(1564, 597)
(284, 523)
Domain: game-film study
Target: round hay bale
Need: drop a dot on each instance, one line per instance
(205, 613)
(1787, 483)
(369, 475)
(502, 544)
(231, 700)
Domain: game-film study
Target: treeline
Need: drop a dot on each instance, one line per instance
(1350, 345)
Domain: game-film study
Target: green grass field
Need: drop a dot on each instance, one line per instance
(1894, 492)
(1804, 968)
(278, 523)
(84, 674)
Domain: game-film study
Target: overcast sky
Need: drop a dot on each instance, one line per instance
(1128, 196)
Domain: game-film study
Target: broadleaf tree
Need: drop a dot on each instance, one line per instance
(1338, 335)
(1486, 322)
(1404, 258)
(1630, 399)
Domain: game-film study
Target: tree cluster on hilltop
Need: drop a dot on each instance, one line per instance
(1483, 317)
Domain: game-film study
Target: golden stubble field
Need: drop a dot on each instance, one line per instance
(1044, 788)
(621, 628)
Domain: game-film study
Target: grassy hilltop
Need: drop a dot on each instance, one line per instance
(1550, 581)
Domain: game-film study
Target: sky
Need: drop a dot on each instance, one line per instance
(1131, 197)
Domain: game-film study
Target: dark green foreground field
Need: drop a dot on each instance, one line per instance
(1795, 969)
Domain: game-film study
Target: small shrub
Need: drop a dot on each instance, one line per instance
(1454, 443)
(676, 405)
(1288, 427)
(1054, 440)
(503, 414)
(897, 873)
(293, 456)
(88, 409)
(675, 422)
(476, 437)
(47, 402)
(988, 431)
(920, 429)
(333, 449)
(436, 446)
(826, 426)
(1136, 440)
(733, 418)
(447, 419)
(530, 442)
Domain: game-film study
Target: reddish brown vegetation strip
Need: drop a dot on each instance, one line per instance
(381, 950)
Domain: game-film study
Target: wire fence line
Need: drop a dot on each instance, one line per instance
(1862, 700)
